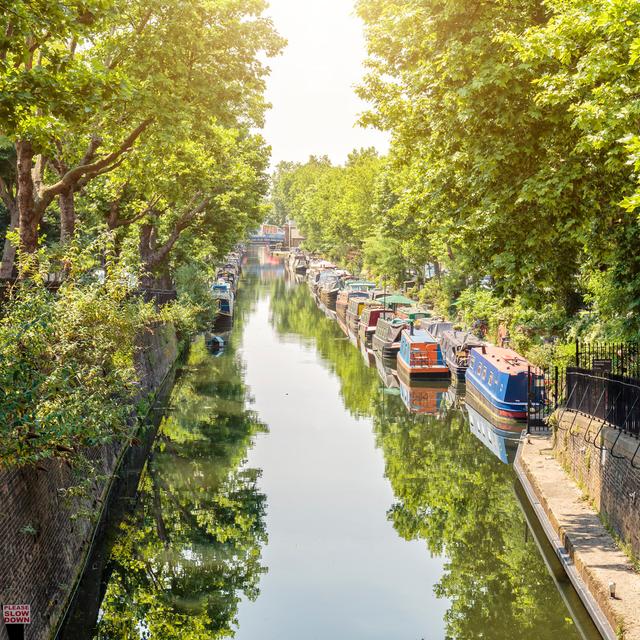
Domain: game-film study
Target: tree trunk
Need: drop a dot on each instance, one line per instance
(146, 234)
(9, 251)
(67, 216)
(29, 220)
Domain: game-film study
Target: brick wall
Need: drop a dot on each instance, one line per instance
(42, 547)
(610, 482)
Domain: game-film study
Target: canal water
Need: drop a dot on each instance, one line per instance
(290, 495)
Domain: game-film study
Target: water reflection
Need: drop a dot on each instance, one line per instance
(193, 545)
(412, 533)
(501, 439)
(190, 546)
(424, 397)
(450, 493)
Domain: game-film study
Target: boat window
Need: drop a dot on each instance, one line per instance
(491, 378)
(479, 371)
(484, 373)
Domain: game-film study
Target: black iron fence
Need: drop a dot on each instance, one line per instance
(546, 392)
(611, 398)
(604, 384)
(620, 358)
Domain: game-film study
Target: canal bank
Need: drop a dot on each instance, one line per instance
(47, 532)
(288, 494)
(588, 552)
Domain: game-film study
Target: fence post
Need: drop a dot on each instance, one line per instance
(577, 353)
(528, 399)
(555, 388)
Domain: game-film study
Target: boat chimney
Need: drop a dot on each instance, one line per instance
(484, 349)
(411, 327)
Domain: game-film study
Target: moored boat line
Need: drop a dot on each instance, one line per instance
(223, 290)
(401, 336)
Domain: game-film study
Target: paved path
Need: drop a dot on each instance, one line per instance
(590, 548)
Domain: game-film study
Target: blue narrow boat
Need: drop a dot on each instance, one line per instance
(500, 378)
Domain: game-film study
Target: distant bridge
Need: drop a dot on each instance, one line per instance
(267, 238)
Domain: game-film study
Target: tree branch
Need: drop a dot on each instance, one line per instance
(108, 163)
(136, 32)
(115, 221)
(156, 256)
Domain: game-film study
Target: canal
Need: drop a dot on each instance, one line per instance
(290, 495)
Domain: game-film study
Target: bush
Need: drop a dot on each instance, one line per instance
(67, 377)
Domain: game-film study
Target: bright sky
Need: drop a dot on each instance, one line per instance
(311, 86)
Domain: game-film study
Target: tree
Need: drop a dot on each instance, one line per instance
(84, 89)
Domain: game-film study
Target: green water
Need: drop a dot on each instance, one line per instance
(289, 496)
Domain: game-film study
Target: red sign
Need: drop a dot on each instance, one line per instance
(16, 613)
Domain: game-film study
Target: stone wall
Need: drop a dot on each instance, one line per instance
(610, 481)
(42, 548)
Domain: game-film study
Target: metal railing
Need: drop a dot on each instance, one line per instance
(545, 393)
(613, 399)
(620, 358)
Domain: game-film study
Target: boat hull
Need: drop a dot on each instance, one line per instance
(513, 411)
(436, 372)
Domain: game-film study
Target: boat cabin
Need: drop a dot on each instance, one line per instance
(456, 345)
(502, 378)
(369, 320)
(420, 355)
(412, 314)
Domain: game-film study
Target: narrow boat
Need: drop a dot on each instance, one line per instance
(323, 276)
(328, 288)
(426, 397)
(386, 338)
(499, 378)
(315, 267)
(354, 312)
(215, 344)
(455, 346)
(231, 277)
(224, 297)
(351, 289)
(354, 309)
(297, 262)
(420, 356)
(369, 319)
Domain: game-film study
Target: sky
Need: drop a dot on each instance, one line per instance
(311, 86)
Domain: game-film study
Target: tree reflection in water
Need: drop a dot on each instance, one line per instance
(192, 547)
(450, 491)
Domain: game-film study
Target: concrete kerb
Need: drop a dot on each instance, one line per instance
(550, 529)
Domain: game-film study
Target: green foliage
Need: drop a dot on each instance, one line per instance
(144, 115)
(383, 257)
(333, 205)
(67, 376)
(514, 157)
